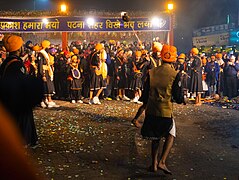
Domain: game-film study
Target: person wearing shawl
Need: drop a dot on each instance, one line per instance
(45, 72)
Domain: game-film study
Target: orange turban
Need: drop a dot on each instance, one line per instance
(76, 51)
(169, 53)
(157, 47)
(36, 48)
(181, 56)
(45, 44)
(138, 53)
(219, 55)
(204, 60)
(144, 52)
(195, 51)
(213, 57)
(12, 43)
(99, 46)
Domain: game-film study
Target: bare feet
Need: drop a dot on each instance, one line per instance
(164, 168)
(153, 169)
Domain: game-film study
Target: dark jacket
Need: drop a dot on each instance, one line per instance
(231, 70)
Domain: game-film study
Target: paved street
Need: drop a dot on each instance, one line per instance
(81, 141)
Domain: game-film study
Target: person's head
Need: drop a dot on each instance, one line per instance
(204, 60)
(138, 55)
(74, 59)
(76, 51)
(52, 51)
(232, 59)
(144, 53)
(45, 44)
(213, 58)
(209, 59)
(219, 56)
(99, 47)
(181, 58)
(169, 54)
(36, 48)
(194, 51)
(157, 47)
(67, 54)
(29, 44)
(13, 44)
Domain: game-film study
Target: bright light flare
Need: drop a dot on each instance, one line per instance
(156, 22)
(90, 21)
(45, 21)
(170, 6)
(63, 8)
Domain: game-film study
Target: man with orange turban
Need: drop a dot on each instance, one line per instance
(19, 92)
(196, 76)
(158, 122)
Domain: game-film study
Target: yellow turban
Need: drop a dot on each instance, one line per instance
(12, 43)
(194, 51)
(112, 42)
(99, 46)
(45, 44)
(169, 53)
(74, 57)
(72, 54)
(181, 56)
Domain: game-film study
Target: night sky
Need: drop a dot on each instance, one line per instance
(190, 14)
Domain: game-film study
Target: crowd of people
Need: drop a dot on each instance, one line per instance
(143, 73)
(118, 71)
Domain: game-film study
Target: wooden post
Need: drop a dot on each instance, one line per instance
(64, 40)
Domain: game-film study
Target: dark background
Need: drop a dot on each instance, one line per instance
(190, 14)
